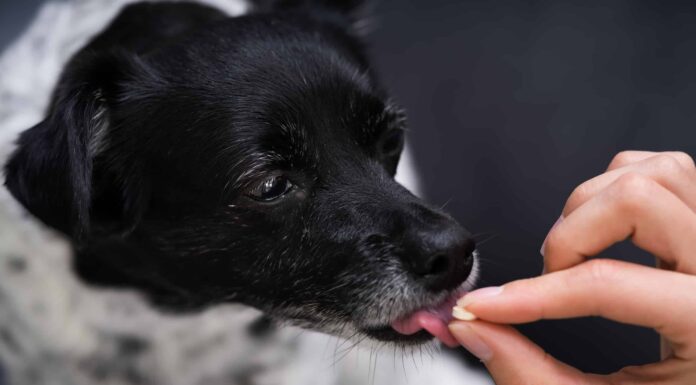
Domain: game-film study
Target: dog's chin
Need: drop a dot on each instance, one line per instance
(388, 334)
(423, 324)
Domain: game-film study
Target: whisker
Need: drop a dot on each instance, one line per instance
(477, 235)
(403, 364)
(446, 203)
(350, 348)
(486, 239)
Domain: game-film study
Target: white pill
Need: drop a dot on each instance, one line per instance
(461, 314)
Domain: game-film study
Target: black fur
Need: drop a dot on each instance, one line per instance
(163, 127)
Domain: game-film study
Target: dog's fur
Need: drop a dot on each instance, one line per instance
(306, 258)
(165, 127)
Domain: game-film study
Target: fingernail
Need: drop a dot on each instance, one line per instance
(478, 295)
(462, 314)
(543, 245)
(468, 338)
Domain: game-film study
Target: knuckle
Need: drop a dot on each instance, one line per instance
(580, 194)
(622, 158)
(628, 375)
(554, 242)
(601, 270)
(548, 360)
(632, 190)
(618, 379)
(632, 182)
(684, 159)
(668, 164)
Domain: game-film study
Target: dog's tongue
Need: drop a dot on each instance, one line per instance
(434, 321)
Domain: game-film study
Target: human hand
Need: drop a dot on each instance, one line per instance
(647, 197)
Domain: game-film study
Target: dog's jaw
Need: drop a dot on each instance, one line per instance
(416, 325)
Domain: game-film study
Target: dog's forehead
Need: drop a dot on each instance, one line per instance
(326, 122)
(277, 75)
(271, 100)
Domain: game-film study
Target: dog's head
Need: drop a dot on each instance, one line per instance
(250, 161)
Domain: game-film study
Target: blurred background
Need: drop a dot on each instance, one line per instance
(514, 103)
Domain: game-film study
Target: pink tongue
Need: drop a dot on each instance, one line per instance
(435, 324)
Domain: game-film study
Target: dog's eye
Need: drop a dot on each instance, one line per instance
(392, 142)
(271, 188)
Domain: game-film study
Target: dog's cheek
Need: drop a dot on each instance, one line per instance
(261, 253)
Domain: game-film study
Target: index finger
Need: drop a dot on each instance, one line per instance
(615, 290)
(633, 207)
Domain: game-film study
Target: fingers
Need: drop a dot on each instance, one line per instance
(625, 158)
(671, 371)
(634, 206)
(674, 171)
(619, 291)
(511, 358)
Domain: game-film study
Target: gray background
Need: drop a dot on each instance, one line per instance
(512, 104)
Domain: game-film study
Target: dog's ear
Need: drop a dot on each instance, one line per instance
(52, 170)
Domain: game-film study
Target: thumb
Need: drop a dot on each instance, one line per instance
(511, 358)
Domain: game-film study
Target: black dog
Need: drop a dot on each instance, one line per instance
(204, 159)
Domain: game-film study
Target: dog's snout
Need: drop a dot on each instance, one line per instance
(433, 251)
(443, 259)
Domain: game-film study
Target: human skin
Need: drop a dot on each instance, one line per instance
(647, 197)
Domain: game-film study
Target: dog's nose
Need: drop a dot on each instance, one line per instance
(444, 258)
